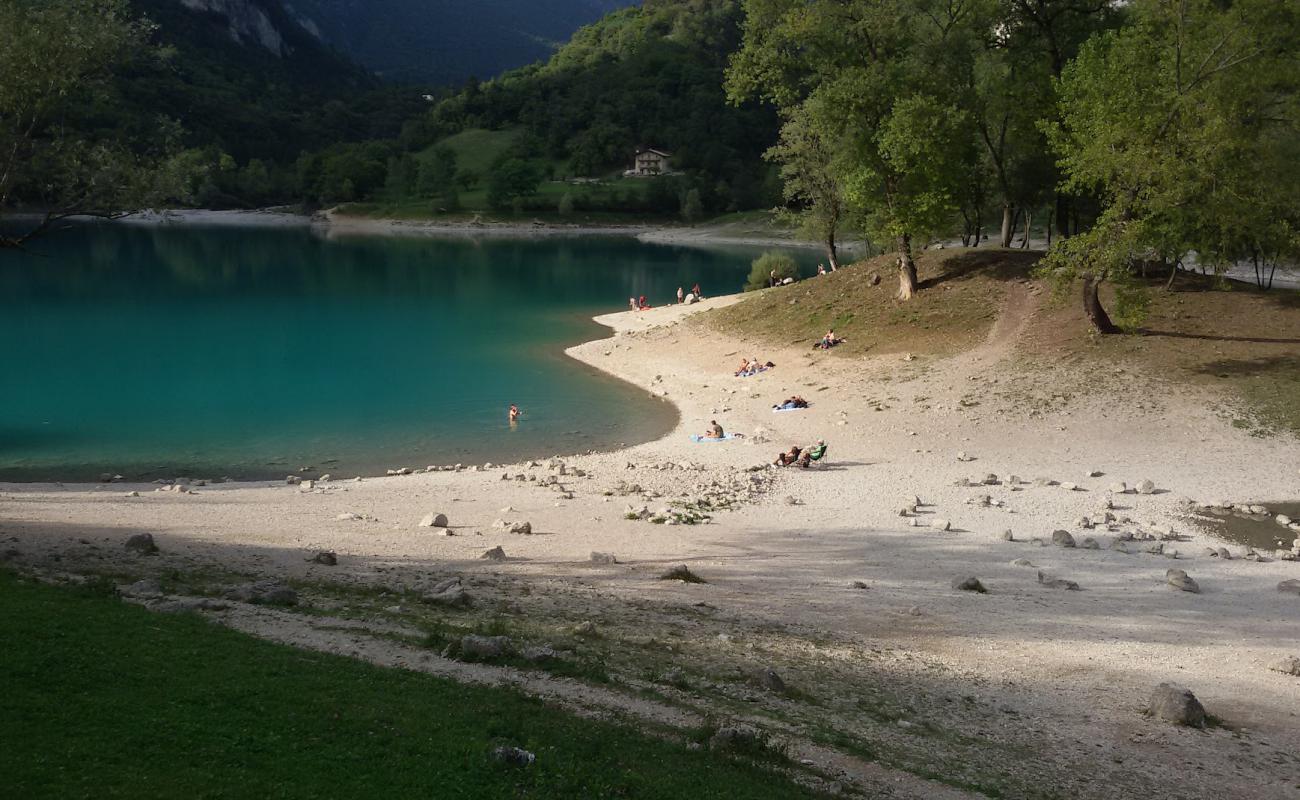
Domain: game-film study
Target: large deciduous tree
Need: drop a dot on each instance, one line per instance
(53, 55)
(876, 79)
(1186, 122)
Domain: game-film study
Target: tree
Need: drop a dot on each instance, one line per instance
(879, 78)
(811, 182)
(1186, 123)
(768, 265)
(692, 206)
(510, 182)
(51, 56)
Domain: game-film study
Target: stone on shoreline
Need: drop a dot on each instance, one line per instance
(448, 593)
(1057, 583)
(1173, 703)
(1289, 587)
(524, 528)
(477, 647)
(1062, 538)
(327, 558)
(969, 584)
(1288, 666)
(434, 520)
(141, 543)
(269, 593)
(603, 559)
(1179, 579)
(495, 554)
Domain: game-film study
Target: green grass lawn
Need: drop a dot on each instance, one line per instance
(104, 699)
(475, 148)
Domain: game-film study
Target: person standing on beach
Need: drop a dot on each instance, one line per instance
(681, 296)
(773, 277)
(695, 290)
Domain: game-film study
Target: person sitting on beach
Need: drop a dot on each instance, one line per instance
(514, 413)
(786, 459)
(811, 454)
(695, 290)
(714, 431)
(821, 269)
(743, 368)
(643, 305)
(829, 340)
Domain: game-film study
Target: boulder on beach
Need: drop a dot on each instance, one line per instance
(1062, 538)
(141, 543)
(1178, 579)
(969, 584)
(1291, 586)
(434, 520)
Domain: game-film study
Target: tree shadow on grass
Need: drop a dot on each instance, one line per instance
(1248, 367)
(996, 263)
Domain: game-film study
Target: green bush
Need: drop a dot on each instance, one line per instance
(760, 273)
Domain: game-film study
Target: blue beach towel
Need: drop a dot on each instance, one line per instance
(779, 409)
(695, 437)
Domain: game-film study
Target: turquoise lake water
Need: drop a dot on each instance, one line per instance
(253, 352)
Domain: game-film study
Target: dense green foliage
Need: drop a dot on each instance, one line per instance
(650, 76)
(1172, 125)
(769, 266)
(1186, 124)
(104, 699)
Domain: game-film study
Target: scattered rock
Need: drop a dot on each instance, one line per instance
(961, 456)
(141, 543)
(539, 654)
(940, 524)
(1119, 487)
(1145, 487)
(1178, 705)
(1057, 583)
(1289, 666)
(681, 573)
(1178, 579)
(524, 528)
(1062, 538)
(327, 558)
(144, 589)
(495, 554)
(585, 628)
(1090, 543)
(348, 516)
(267, 593)
(131, 494)
(858, 585)
(476, 648)
(737, 737)
(1069, 487)
(514, 756)
(1290, 586)
(434, 520)
(448, 593)
(770, 680)
(183, 605)
(1022, 562)
(1007, 537)
(969, 584)
(603, 559)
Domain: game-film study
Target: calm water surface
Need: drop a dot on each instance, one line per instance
(251, 352)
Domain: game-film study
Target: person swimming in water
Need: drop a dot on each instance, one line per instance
(514, 414)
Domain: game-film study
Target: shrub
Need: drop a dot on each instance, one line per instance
(760, 273)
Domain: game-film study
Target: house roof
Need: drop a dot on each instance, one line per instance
(656, 151)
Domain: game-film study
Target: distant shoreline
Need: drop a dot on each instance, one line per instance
(331, 223)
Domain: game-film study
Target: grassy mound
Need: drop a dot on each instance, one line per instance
(1221, 333)
(961, 292)
(104, 699)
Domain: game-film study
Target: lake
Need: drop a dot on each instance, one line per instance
(251, 352)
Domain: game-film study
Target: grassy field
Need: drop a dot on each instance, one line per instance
(961, 293)
(105, 699)
(475, 148)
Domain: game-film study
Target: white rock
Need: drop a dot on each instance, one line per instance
(940, 524)
(434, 520)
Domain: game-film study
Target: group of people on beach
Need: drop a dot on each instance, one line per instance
(748, 367)
(640, 304)
(798, 456)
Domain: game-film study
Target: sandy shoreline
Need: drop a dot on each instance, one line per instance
(1058, 677)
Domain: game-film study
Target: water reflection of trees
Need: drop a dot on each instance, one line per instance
(111, 261)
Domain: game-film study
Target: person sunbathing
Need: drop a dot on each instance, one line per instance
(829, 340)
(743, 368)
(791, 402)
(788, 458)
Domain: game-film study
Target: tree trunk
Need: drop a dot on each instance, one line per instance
(1050, 215)
(1062, 215)
(1007, 220)
(1173, 273)
(906, 268)
(1029, 228)
(832, 255)
(979, 228)
(1092, 306)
